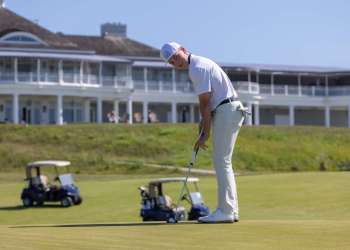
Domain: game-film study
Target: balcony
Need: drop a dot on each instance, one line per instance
(67, 79)
(162, 86)
(287, 90)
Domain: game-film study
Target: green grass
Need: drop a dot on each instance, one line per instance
(277, 211)
(104, 148)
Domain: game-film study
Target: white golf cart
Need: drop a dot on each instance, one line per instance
(40, 190)
(157, 206)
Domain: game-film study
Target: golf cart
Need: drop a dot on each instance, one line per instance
(39, 189)
(157, 206)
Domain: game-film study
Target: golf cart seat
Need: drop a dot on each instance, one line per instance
(164, 201)
(41, 182)
(196, 198)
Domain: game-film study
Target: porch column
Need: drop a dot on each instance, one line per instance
(59, 109)
(129, 110)
(81, 72)
(116, 111)
(327, 116)
(15, 69)
(173, 112)
(173, 72)
(145, 79)
(249, 117)
(87, 111)
(99, 110)
(192, 113)
(326, 83)
(38, 69)
(272, 84)
(15, 104)
(291, 115)
(100, 79)
(299, 85)
(60, 71)
(145, 111)
(257, 114)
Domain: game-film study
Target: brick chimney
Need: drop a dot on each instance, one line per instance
(113, 29)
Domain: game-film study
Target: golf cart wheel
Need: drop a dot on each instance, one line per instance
(77, 200)
(27, 202)
(66, 202)
(39, 203)
(171, 220)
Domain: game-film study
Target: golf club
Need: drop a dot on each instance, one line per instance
(189, 168)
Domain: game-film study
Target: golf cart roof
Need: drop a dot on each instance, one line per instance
(48, 164)
(175, 179)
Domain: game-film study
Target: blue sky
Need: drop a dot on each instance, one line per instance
(299, 32)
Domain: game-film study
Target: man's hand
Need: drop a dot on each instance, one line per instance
(200, 143)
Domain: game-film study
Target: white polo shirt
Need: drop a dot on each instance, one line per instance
(207, 76)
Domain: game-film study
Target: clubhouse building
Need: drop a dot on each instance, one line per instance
(55, 78)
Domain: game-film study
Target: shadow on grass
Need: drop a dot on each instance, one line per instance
(20, 207)
(131, 224)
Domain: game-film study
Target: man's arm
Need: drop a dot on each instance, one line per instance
(204, 126)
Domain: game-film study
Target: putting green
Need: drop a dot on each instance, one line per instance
(279, 211)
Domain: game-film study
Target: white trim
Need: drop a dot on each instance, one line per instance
(291, 115)
(63, 56)
(37, 40)
(116, 111)
(145, 112)
(256, 114)
(99, 107)
(129, 110)
(15, 105)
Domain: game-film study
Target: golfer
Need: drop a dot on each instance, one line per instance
(219, 108)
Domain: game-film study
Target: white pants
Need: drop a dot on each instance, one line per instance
(226, 124)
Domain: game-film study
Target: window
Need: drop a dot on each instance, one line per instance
(21, 38)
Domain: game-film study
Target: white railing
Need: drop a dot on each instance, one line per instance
(139, 85)
(247, 87)
(28, 77)
(183, 87)
(339, 91)
(49, 77)
(71, 77)
(6, 76)
(153, 86)
(167, 86)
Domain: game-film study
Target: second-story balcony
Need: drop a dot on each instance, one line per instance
(148, 86)
(53, 78)
(58, 72)
(291, 90)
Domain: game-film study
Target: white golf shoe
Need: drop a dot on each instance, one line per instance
(217, 217)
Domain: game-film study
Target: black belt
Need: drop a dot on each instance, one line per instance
(227, 100)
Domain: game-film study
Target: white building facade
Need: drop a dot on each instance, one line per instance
(52, 78)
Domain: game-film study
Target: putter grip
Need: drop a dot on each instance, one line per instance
(194, 155)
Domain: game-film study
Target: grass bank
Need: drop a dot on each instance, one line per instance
(104, 148)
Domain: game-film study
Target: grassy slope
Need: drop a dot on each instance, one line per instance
(99, 148)
(280, 211)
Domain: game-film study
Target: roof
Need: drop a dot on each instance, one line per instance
(11, 22)
(113, 45)
(48, 164)
(175, 179)
(282, 68)
(108, 45)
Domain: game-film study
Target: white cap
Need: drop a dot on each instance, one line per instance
(168, 50)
